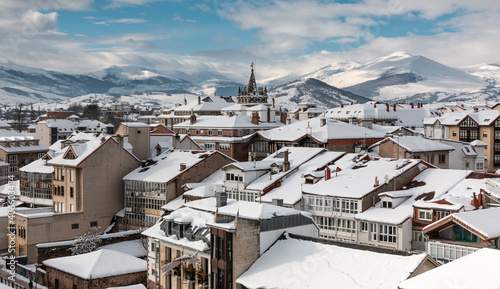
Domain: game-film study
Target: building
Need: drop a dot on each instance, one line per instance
(4, 173)
(466, 156)
(210, 105)
(51, 130)
(228, 235)
(279, 176)
(306, 111)
(87, 192)
(299, 262)
(354, 185)
(460, 234)
(18, 150)
(414, 147)
(160, 180)
(459, 272)
(468, 127)
(55, 115)
(99, 269)
(407, 115)
(317, 132)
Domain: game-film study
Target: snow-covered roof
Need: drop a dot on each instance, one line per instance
(290, 190)
(293, 263)
(435, 180)
(166, 166)
(405, 115)
(246, 210)
(132, 247)
(80, 150)
(458, 274)
(135, 286)
(463, 192)
(224, 121)
(10, 135)
(207, 187)
(21, 148)
(333, 129)
(66, 125)
(98, 264)
(198, 219)
(356, 177)
(37, 166)
(485, 223)
(482, 118)
(417, 144)
(216, 104)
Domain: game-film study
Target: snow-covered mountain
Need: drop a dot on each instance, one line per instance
(311, 90)
(20, 84)
(401, 76)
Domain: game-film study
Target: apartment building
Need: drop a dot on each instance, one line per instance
(51, 130)
(18, 150)
(87, 192)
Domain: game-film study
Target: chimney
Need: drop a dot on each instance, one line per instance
(480, 199)
(376, 182)
(474, 201)
(322, 121)
(255, 118)
(286, 163)
(341, 105)
(387, 107)
(185, 101)
(119, 138)
(375, 105)
(278, 202)
(268, 114)
(182, 167)
(328, 174)
(143, 163)
(199, 99)
(220, 199)
(394, 107)
(274, 103)
(192, 118)
(412, 106)
(289, 121)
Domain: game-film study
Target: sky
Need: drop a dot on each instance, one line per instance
(281, 37)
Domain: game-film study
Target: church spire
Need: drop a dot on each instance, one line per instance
(252, 84)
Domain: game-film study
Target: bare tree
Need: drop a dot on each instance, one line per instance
(88, 242)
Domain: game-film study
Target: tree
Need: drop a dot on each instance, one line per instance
(92, 111)
(88, 242)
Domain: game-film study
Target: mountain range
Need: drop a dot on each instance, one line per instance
(396, 77)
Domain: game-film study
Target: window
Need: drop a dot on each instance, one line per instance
(210, 132)
(12, 159)
(71, 176)
(40, 155)
(197, 131)
(93, 224)
(386, 204)
(424, 215)
(373, 232)
(485, 133)
(219, 132)
(417, 236)
(71, 194)
(442, 159)
(479, 166)
(224, 147)
(364, 226)
(209, 146)
(454, 133)
(75, 226)
(441, 214)
(56, 284)
(387, 233)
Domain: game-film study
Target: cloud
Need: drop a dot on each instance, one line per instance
(178, 18)
(123, 3)
(120, 21)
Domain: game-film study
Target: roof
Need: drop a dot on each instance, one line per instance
(38, 166)
(435, 180)
(166, 166)
(80, 150)
(484, 223)
(482, 118)
(418, 144)
(332, 130)
(216, 104)
(461, 273)
(224, 121)
(198, 219)
(246, 210)
(356, 177)
(293, 263)
(30, 148)
(10, 135)
(98, 264)
(135, 286)
(66, 125)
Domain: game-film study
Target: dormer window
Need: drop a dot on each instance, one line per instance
(425, 215)
(387, 204)
(70, 155)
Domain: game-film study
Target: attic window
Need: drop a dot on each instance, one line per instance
(70, 155)
(387, 204)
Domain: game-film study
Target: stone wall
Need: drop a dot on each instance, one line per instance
(246, 246)
(68, 281)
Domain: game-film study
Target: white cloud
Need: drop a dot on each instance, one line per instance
(121, 21)
(122, 3)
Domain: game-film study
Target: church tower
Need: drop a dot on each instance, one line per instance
(252, 94)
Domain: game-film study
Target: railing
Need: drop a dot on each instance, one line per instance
(10, 283)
